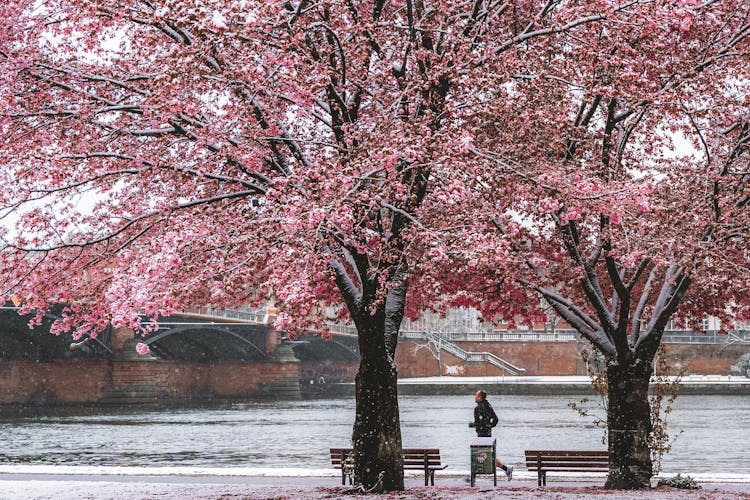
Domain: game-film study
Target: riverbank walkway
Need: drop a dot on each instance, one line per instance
(558, 385)
(62, 483)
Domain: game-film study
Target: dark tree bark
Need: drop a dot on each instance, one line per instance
(376, 437)
(620, 332)
(629, 425)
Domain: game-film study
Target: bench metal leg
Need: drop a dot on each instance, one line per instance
(429, 477)
(542, 478)
(539, 473)
(343, 469)
(347, 469)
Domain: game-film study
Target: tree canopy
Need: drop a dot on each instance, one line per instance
(380, 157)
(158, 156)
(612, 181)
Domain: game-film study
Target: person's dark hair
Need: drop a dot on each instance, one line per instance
(482, 394)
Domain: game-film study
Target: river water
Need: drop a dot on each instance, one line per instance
(711, 433)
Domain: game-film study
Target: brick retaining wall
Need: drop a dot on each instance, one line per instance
(414, 359)
(84, 381)
(57, 381)
(62, 382)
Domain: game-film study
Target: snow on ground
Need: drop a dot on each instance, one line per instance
(24, 486)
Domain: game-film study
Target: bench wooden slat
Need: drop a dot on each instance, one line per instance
(574, 469)
(567, 453)
(560, 465)
(337, 452)
(598, 461)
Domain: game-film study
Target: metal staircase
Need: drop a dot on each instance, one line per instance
(472, 357)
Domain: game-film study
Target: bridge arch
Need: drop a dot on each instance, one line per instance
(197, 341)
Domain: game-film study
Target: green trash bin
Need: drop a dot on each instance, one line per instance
(483, 458)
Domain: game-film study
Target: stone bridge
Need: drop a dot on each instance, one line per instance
(208, 355)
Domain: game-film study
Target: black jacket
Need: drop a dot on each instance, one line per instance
(484, 418)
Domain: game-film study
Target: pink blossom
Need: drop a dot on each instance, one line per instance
(320, 172)
(142, 348)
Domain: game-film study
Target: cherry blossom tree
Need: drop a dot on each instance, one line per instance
(610, 181)
(159, 155)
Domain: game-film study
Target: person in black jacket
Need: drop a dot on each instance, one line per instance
(485, 419)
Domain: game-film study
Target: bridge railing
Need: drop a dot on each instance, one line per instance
(342, 329)
(689, 337)
(669, 337)
(252, 315)
(558, 335)
(498, 336)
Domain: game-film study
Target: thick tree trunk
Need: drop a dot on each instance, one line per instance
(629, 425)
(376, 438)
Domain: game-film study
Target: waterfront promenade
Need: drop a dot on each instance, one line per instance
(225, 484)
(689, 384)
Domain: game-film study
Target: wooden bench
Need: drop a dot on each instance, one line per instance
(425, 459)
(543, 461)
